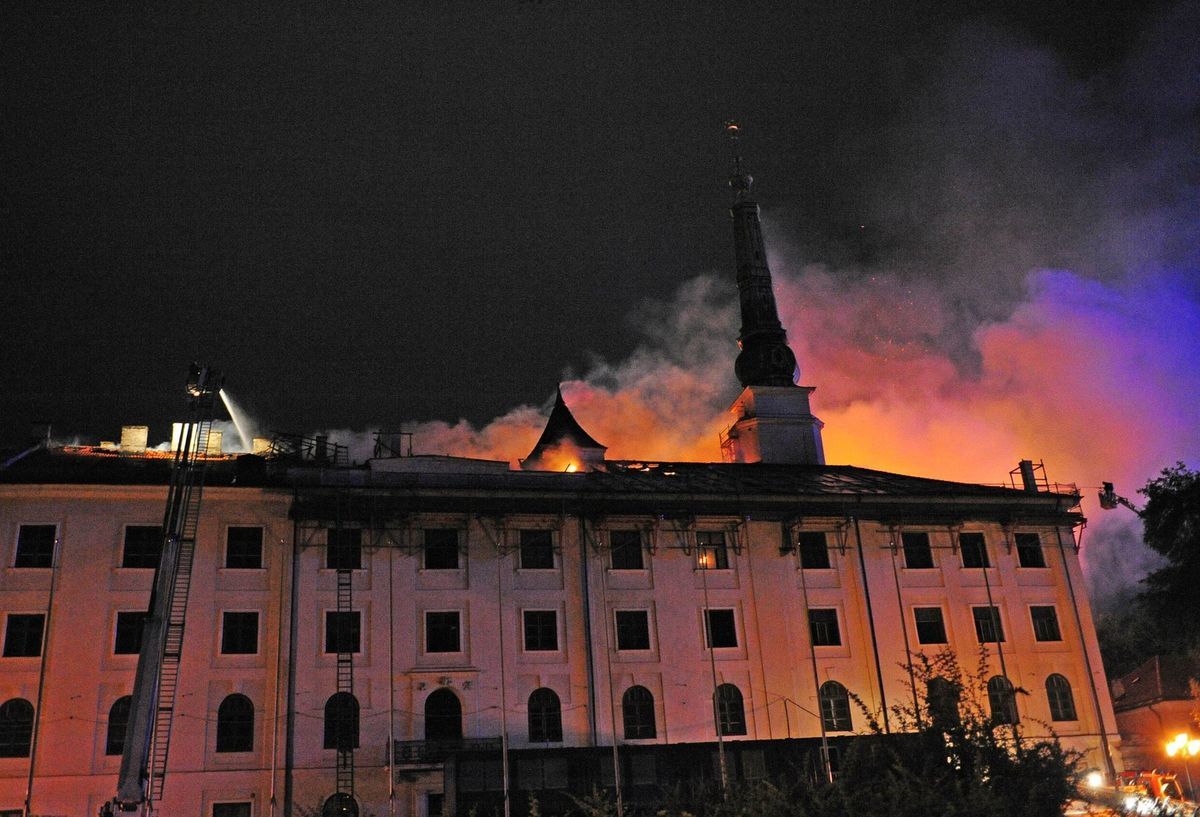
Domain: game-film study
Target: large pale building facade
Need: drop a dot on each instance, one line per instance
(415, 635)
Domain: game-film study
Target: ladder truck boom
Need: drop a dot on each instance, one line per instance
(147, 736)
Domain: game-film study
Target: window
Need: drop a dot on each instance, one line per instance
(1045, 624)
(633, 630)
(143, 546)
(917, 552)
(341, 722)
(537, 550)
(974, 550)
(814, 554)
(442, 632)
(541, 630)
(835, 707)
(342, 631)
(711, 553)
(235, 724)
(35, 546)
(231, 810)
(731, 715)
(987, 624)
(1029, 550)
(1062, 702)
(931, 629)
(1002, 700)
(637, 713)
(942, 697)
(118, 723)
(435, 803)
(16, 727)
(128, 640)
(243, 548)
(626, 549)
(23, 635)
(239, 633)
(720, 631)
(545, 717)
(343, 548)
(441, 549)
(823, 624)
(443, 716)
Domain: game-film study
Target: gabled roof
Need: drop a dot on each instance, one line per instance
(1162, 678)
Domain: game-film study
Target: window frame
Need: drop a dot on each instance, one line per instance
(526, 547)
(984, 556)
(23, 632)
(626, 548)
(548, 715)
(248, 809)
(16, 736)
(710, 630)
(128, 615)
(140, 554)
(941, 623)
(632, 615)
(529, 626)
(442, 548)
(836, 715)
(811, 548)
(457, 631)
(714, 542)
(335, 632)
(229, 552)
(35, 555)
(727, 723)
(341, 549)
(1040, 626)
(331, 737)
(1056, 700)
(1002, 701)
(830, 639)
(1023, 550)
(920, 551)
(115, 731)
(232, 630)
(235, 736)
(633, 722)
(996, 620)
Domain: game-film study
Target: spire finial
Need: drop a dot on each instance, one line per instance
(740, 181)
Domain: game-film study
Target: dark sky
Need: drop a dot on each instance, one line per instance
(370, 213)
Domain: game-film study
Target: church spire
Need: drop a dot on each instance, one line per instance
(765, 359)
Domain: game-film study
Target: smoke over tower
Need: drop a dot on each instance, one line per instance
(773, 420)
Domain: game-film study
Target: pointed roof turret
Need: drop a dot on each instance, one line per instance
(564, 445)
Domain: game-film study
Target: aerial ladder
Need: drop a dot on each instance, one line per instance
(148, 733)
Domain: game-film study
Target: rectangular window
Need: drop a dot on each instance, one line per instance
(720, 629)
(23, 635)
(988, 628)
(443, 632)
(342, 631)
(1045, 624)
(814, 554)
(541, 630)
(824, 626)
(441, 549)
(239, 633)
(231, 810)
(931, 629)
(626, 549)
(343, 548)
(918, 554)
(1029, 550)
(537, 550)
(974, 550)
(35, 546)
(711, 553)
(243, 548)
(143, 546)
(633, 630)
(128, 640)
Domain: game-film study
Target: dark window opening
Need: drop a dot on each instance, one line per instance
(545, 717)
(711, 552)
(918, 554)
(814, 552)
(235, 724)
(343, 548)
(231, 810)
(835, 707)
(988, 628)
(443, 716)
(128, 640)
(1062, 702)
(974, 550)
(1002, 700)
(341, 722)
(1045, 624)
(118, 723)
(143, 546)
(731, 714)
(541, 630)
(823, 624)
(1029, 550)
(243, 548)
(942, 698)
(239, 633)
(537, 550)
(16, 727)
(23, 635)
(637, 713)
(441, 549)
(342, 631)
(443, 632)
(35, 546)
(626, 549)
(633, 630)
(931, 629)
(720, 629)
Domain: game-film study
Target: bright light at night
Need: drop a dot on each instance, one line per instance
(1095, 779)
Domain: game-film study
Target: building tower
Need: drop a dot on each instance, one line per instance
(773, 422)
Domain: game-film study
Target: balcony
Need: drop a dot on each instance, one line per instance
(436, 751)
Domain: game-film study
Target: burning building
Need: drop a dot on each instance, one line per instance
(420, 634)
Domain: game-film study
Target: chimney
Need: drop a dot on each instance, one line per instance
(260, 445)
(134, 438)
(321, 448)
(215, 439)
(1028, 480)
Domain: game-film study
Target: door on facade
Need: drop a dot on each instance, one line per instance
(443, 716)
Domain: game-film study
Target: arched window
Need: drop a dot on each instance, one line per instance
(16, 727)
(637, 710)
(118, 722)
(443, 716)
(731, 715)
(235, 724)
(942, 696)
(835, 707)
(1062, 702)
(1002, 700)
(341, 722)
(545, 717)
